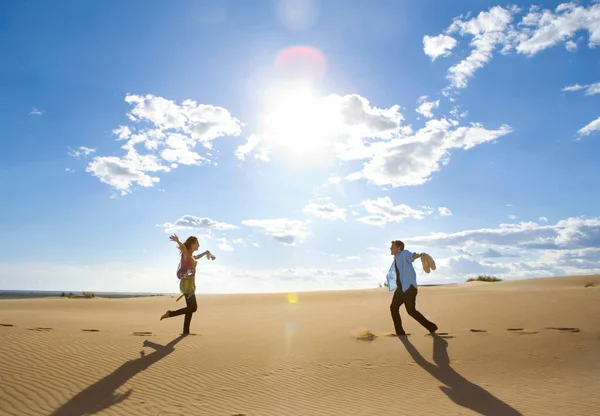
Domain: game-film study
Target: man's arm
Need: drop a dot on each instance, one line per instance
(416, 255)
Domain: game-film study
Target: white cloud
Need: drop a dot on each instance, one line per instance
(165, 132)
(36, 112)
(333, 180)
(123, 132)
(411, 160)
(542, 29)
(200, 122)
(538, 30)
(489, 30)
(590, 89)
(425, 107)
(543, 219)
(445, 212)
(581, 258)
(354, 176)
(251, 143)
(81, 152)
(565, 234)
(159, 111)
(536, 264)
(191, 222)
(464, 266)
(571, 88)
(224, 244)
(455, 112)
(571, 46)
(121, 173)
(436, 46)
(69, 170)
(589, 128)
(383, 211)
(490, 252)
(178, 151)
(354, 130)
(512, 217)
(593, 89)
(328, 211)
(570, 247)
(285, 231)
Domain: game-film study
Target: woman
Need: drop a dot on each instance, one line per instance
(187, 275)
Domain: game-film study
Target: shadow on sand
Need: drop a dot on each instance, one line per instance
(102, 394)
(458, 389)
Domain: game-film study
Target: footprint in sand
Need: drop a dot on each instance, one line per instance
(9, 325)
(142, 334)
(444, 335)
(365, 336)
(39, 329)
(478, 330)
(564, 329)
(394, 335)
(521, 331)
(90, 330)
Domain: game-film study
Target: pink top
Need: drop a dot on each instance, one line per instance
(187, 268)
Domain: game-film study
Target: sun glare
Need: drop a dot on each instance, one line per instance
(299, 124)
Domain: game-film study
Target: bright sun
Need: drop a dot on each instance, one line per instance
(299, 124)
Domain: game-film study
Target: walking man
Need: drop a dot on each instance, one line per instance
(403, 278)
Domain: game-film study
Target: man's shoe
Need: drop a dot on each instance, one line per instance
(433, 329)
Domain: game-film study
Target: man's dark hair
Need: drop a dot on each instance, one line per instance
(398, 244)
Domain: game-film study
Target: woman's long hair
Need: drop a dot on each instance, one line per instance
(188, 244)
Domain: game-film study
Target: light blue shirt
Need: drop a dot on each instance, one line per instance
(408, 276)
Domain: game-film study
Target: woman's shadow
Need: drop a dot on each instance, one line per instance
(102, 394)
(458, 389)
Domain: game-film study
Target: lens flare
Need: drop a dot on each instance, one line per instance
(297, 15)
(301, 62)
(289, 331)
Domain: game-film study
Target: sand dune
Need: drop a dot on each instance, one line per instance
(528, 347)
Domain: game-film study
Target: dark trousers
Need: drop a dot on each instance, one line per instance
(409, 299)
(190, 308)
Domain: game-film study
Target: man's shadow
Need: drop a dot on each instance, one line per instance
(102, 394)
(458, 389)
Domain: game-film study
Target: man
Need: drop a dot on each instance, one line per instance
(405, 283)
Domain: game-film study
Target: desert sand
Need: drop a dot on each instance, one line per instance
(528, 347)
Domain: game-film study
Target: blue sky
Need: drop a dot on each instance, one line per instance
(296, 139)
